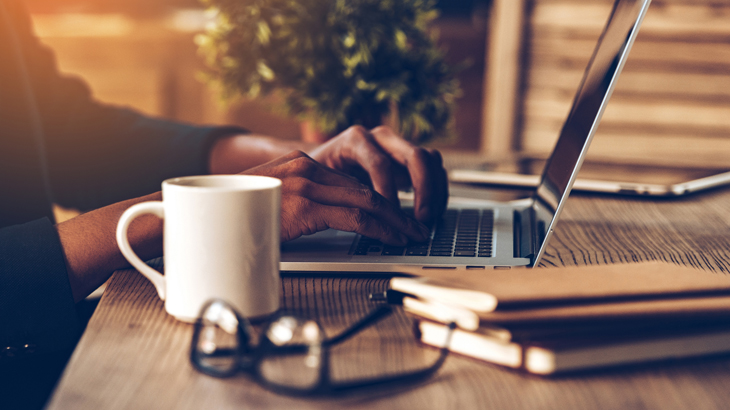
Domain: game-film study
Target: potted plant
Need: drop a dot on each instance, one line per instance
(335, 62)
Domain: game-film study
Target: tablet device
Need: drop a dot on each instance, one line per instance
(601, 177)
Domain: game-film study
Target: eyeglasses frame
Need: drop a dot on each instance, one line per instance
(253, 359)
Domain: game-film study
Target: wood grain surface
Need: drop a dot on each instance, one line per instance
(134, 356)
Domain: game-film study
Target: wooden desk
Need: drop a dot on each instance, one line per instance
(134, 356)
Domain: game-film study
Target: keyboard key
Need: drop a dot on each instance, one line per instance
(419, 252)
(464, 233)
(365, 242)
(466, 238)
(393, 250)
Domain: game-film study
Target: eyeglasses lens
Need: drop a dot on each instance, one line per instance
(295, 358)
(217, 347)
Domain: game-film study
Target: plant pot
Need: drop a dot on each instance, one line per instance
(310, 133)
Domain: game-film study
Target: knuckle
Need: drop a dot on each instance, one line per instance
(302, 217)
(302, 165)
(358, 218)
(357, 134)
(299, 186)
(381, 129)
(295, 154)
(358, 130)
(299, 206)
(371, 199)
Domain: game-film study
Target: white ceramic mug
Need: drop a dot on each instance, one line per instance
(220, 240)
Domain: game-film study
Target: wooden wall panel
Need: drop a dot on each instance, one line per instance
(672, 102)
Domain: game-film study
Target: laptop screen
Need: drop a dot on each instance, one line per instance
(590, 101)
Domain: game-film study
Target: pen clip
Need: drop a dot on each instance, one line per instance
(390, 296)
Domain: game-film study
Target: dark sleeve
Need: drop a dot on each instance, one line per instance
(99, 154)
(37, 310)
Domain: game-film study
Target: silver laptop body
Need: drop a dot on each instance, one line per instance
(478, 233)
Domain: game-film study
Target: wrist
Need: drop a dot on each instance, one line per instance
(90, 248)
(232, 154)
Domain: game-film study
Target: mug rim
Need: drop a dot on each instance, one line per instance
(180, 182)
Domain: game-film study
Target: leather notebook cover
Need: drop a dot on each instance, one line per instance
(561, 290)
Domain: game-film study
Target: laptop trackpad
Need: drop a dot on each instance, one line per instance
(330, 241)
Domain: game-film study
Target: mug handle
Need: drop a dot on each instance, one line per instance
(152, 207)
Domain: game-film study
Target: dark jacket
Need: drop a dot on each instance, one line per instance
(59, 145)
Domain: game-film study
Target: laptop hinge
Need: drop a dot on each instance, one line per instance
(524, 239)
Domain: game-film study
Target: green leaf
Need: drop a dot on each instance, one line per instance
(401, 40)
(349, 40)
(363, 85)
(264, 70)
(264, 33)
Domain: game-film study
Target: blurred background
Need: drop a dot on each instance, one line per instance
(526, 59)
(671, 106)
(141, 54)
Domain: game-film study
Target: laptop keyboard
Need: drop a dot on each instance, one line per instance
(459, 233)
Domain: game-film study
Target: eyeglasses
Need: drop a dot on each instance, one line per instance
(292, 355)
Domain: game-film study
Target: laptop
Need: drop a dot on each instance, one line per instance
(481, 234)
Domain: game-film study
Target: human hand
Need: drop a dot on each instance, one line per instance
(383, 159)
(315, 197)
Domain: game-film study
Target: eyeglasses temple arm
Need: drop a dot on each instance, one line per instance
(401, 378)
(366, 321)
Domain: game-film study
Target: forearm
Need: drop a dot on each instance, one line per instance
(89, 242)
(236, 153)
(90, 246)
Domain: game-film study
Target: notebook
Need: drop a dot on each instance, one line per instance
(551, 350)
(603, 315)
(533, 288)
(620, 293)
(480, 234)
